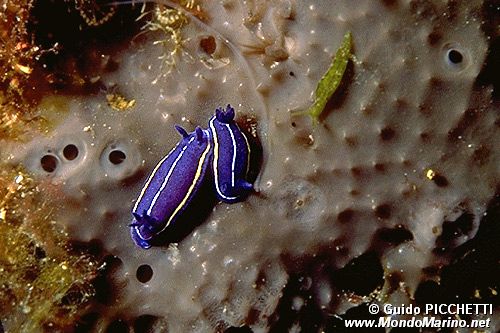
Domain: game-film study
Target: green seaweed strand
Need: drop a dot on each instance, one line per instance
(330, 80)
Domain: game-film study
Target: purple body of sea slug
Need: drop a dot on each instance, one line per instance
(177, 177)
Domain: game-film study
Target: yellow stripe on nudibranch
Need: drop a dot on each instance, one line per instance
(193, 184)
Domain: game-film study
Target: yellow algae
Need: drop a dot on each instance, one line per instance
(51, 110)
(39, 269)
(169, 22)
(23, 69)
(119, 102)
(17, 62)
(93, 13)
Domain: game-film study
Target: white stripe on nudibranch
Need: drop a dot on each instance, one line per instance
(248, 153)
(233, 165)
(165, 181)
(216, 161)
(145, 187)
(140, 235)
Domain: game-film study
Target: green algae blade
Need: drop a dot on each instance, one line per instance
(330, 80)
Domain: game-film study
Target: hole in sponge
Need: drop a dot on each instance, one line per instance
(145, 324)
(144, 273)
(118, 326)
(117, 157)
(49, 163)
(70, 152)
(455, 56)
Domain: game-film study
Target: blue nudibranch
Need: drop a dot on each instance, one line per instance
(178, 176)
(231, 156)
(171, 185)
